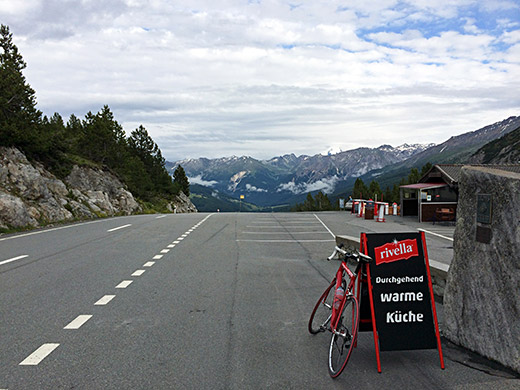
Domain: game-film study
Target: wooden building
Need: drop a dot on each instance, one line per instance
(435, 197)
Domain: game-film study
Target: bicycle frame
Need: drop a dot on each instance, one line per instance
(348, 291)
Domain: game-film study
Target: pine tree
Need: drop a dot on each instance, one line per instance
(19, 118)
(181, 180)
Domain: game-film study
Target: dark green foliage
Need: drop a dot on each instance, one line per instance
(181, 180)
(320, 202)
(505, 150)
(19, 118)
(360, 189)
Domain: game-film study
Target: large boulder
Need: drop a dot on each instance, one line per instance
(482, 299)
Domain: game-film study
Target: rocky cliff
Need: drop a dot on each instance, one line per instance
(30, 196)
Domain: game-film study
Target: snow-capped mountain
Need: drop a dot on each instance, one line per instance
(266, 182)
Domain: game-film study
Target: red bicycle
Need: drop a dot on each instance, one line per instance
(337, 311)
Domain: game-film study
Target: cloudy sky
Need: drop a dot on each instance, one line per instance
(269, 77)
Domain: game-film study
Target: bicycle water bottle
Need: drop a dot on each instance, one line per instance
(338, 297)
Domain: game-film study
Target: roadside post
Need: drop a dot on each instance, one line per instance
(400, 295)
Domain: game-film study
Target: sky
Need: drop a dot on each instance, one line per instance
(264, 78)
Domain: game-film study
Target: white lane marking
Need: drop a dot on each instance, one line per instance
(157, 257)
(278, 233)
(37, 356)
(184, 235)
(165, 251)
(160, 216)
(139, 272)
(176, 242)
(119, 227)
(149, 264)
(435, 234)
(124, 284)
(51, 230)
(79, 321)
(325, 226)
(285, 240)
(171, 246)
(180, 238)
(13, 259)
(104, 300)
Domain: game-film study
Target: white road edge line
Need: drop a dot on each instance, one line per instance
(13, 259)
(124, 284)
(104, 300)
(79, 321)
(435, 234)
(37, 356)
(325, 226)
(119, 227)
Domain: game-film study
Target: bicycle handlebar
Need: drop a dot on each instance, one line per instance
(351, 255)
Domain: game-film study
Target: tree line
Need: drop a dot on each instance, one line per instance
(97, 140)
(360, 190)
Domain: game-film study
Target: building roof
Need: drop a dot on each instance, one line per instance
(450, 173)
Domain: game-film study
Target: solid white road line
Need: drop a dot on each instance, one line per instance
(285, 240)
(139, 272)
(325, 226)
(13, 259)
(124, 284)
(149, 264)
(160, 216)
(119, 227)
(37, 356)
(79, 321)
(435, 234)
(104, 300)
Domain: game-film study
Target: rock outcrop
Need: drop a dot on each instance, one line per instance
(30, 196)
(482, 300)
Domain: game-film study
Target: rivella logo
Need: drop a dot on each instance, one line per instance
(396, 250)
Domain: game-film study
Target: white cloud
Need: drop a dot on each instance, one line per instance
(266, 78)
(199, 180)
(326, 185)
(252, 188)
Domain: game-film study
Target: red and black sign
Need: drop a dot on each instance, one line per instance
(401, 299)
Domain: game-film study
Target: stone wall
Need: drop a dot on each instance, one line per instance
(482, 296)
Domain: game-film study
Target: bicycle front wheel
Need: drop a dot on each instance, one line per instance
(343, 339)
(320, 317)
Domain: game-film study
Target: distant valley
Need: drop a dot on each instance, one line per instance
(285, 180)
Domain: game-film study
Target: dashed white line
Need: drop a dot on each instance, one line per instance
(158, 257)
(180, 238)
(78, 322)
(139, 272)
(165, 251)
(37, 356)
(149, 264)
(171, 246)
(104, 300)
(176, 242)
(124, 284)
(119, 227)
(160, 216)
(13, 259)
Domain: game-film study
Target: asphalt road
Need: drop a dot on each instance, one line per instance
(196, 301)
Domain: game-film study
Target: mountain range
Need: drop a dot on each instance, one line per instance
(285, 180)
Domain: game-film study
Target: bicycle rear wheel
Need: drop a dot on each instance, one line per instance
(320, 317)
(342, 341)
